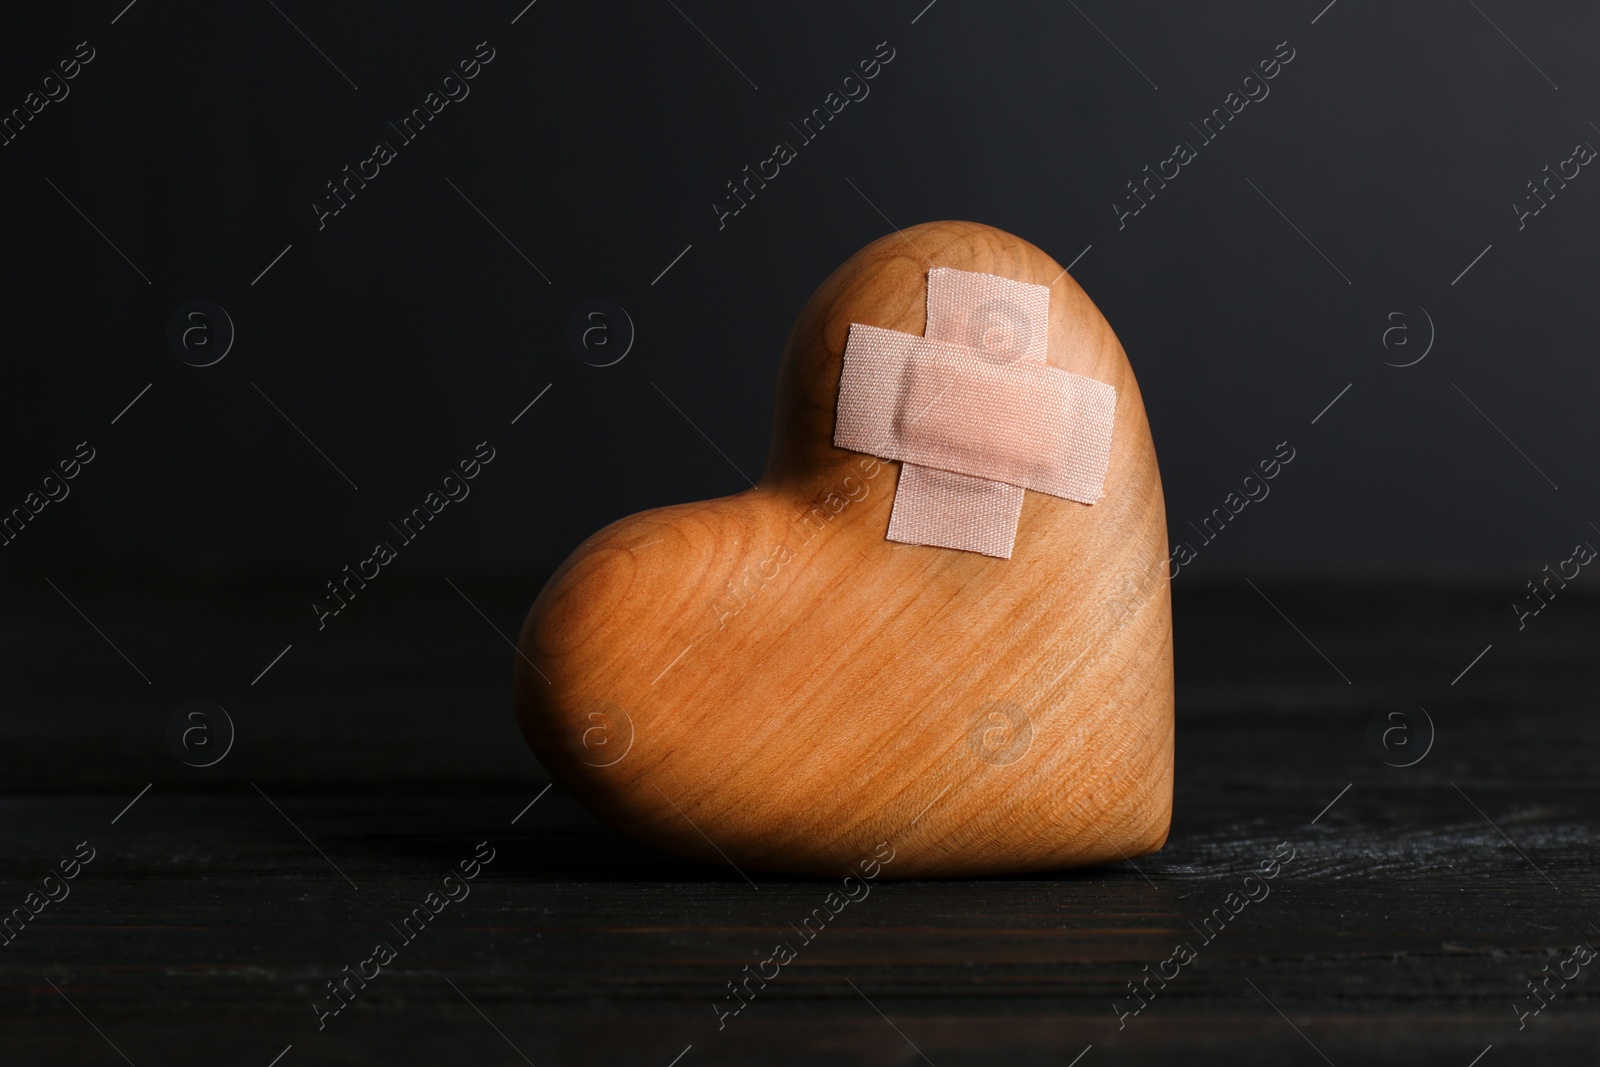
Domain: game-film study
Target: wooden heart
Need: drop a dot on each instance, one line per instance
(765, 681)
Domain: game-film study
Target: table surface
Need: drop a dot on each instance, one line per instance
(374, 756)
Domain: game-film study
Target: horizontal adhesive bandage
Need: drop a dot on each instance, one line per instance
(974, 413)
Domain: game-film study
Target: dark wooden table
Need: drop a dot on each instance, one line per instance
(375, 755)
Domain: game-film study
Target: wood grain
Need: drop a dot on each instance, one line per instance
(765, 681)
(1402, 933)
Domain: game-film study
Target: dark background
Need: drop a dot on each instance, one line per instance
(1253, 296)
(597, 140)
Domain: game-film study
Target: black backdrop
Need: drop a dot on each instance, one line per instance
(378, 350)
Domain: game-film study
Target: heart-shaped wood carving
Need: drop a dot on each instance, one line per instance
(766, 681)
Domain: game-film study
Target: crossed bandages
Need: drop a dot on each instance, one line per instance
(974, 413)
